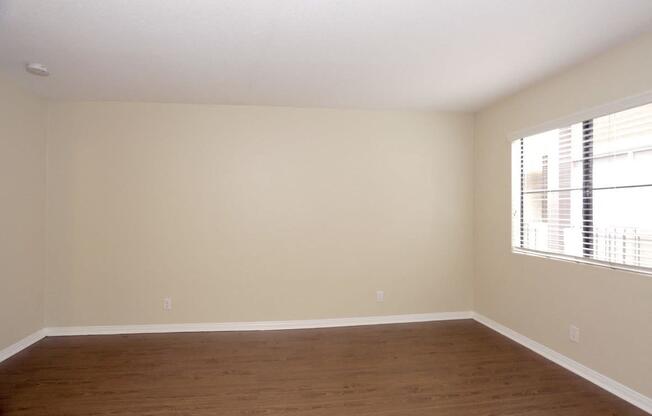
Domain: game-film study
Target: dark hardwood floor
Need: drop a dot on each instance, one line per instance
(439, 368)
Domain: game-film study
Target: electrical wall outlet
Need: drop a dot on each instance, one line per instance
(380, 296)
(574, 333)
(167, 304)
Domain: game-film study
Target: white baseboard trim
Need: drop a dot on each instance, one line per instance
(637, 399)
(257, 325)
(17, 347)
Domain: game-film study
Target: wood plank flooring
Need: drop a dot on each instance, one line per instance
(439, 368)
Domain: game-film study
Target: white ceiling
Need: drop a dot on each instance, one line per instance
(399, 54)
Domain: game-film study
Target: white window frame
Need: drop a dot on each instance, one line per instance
(591, 113)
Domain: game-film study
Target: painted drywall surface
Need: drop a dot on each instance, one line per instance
(255, 213)
(540, 298)
(22, 204)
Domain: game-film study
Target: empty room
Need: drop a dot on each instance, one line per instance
(326, 207)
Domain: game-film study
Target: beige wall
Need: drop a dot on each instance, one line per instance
(255, 213)
(540, 298)
(22, 214)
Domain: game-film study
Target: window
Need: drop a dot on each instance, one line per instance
(584, 191)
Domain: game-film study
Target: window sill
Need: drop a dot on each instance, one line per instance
(571, 259)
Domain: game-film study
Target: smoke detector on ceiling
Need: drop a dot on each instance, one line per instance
(37, 69)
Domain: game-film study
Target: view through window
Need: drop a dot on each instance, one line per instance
(585, 191)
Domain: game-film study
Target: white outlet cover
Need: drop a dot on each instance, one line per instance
(574, 333)
(380, 296)
(167, 304)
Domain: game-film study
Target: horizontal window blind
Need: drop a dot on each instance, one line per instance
(584, 191)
